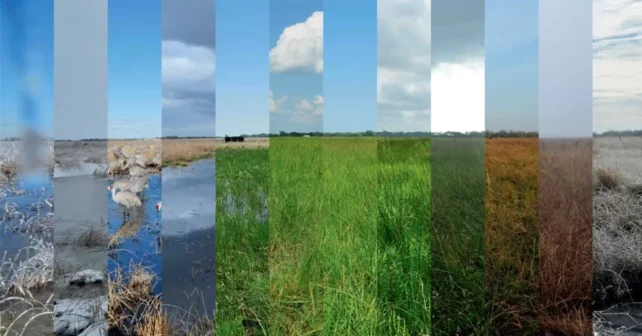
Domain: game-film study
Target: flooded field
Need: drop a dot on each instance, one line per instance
(26, 244)
(188, 239)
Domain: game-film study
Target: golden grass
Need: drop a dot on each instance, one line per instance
(512, 232)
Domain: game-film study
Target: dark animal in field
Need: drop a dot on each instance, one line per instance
(227, 139)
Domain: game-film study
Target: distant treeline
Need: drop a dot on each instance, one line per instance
(494, 134)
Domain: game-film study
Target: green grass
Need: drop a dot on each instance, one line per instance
(241, 243)
(347, 240)
(458, 215)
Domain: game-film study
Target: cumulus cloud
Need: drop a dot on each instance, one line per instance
(314, 107)
(404, 61)
(300, 47)
(275, 104)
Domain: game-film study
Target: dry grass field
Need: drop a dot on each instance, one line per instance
(565, 242)
(512, 234)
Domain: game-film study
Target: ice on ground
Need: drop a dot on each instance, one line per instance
(88, 276)
(75, 317)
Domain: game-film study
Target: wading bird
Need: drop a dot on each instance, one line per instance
(125, 198)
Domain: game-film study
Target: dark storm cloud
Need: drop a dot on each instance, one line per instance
(457, 30)
(191, 22)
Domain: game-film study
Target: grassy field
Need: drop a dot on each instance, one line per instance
(512, 235)
(565, 243)
(345, 250)
(458, 215)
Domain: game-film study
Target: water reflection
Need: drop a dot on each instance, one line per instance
(189, 197)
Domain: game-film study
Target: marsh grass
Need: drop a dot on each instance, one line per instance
(338, 208)
(458, 216)
(403, 236)
(242, 276)
(565, 248)
(512, 236)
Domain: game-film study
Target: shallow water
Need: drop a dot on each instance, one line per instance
(140, 245)
(11, 241)
(621, 320)
(189, 196)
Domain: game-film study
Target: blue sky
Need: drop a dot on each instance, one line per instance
(350, 65)
(511, 53)
(40, 39)
(135, 88)
(242, 76)
(296, 79)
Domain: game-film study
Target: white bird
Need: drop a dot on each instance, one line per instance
(159, 204)
(136, 185)
(121, 184)
(137, 170)
(125, 198)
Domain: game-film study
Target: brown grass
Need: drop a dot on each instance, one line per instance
(127, 296)
(565, 249)
(608, 179)
(512, 233)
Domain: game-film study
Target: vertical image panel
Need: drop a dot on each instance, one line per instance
(188, 176)
(511, 161)
(457, 167)
(617, 162)
(26, 168)
(80, 152)
(242, 168)
(296, 231)
(403, 151)
(133, 171)
(349, 205)
(565, 160)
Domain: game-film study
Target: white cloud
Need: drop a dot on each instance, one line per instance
(314, 107)
(458, 97)
(300, 47)
(188, 67)
(403, 69)
(275, 104)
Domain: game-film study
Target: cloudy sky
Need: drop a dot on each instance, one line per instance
(511, 53)
(135, 69)
(457, 78)
(242, 76)
(403, 65)
(188, 67)
(296, 66)
(617, 65)
(565, 68)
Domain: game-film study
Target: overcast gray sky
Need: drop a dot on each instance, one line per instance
(565, 68)
(80, 68)
(457, 76)
(189, 65)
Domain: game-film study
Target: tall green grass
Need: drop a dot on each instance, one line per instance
(348, 243)
(458, 215)
(403, 266)
(242, 277)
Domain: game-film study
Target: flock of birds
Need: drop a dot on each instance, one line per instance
(126, 191)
